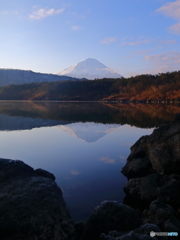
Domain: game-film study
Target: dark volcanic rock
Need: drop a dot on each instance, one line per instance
(44, 173)
(31, 206)
(144, 189)
(153, 168)
(142, 233)
(110, 215)
(163, 215)
(138, 167)
(170, 191)
(138, 163)
(155, 186)
(11, 170)
(162, 148)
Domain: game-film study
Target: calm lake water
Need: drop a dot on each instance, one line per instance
(85, 145)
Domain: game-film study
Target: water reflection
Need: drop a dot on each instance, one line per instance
(89, 132)
(51, 137)
(139, 115)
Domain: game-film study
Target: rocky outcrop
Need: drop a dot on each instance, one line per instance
(141, 233)
(153, 170)
(44, 173)
(109, 216)
(159, 152)
(162, 215)
(155, 186)
(31, 204)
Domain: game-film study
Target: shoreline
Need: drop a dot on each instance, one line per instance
(145, 102)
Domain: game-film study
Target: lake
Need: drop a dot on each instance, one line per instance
(85, 145)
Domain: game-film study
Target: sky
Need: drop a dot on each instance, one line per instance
(132, 37)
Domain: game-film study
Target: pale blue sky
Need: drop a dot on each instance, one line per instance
(130, 36)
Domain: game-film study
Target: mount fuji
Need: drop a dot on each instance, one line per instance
(90, 68)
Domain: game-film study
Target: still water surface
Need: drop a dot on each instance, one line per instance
(85, 145)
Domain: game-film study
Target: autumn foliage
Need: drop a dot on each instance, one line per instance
(164, 86)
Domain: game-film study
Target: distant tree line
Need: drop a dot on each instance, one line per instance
(163, 86)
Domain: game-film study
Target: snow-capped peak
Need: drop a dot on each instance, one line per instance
(90, 68)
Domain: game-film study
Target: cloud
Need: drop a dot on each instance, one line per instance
(44, 12)
(75, 173)
(171, 9)
(75, 28)
(108, 40)
(145, 41)
(164, 62)
(122, 159)
(172, 56)
(108, 160)
(175, 28)
(135, 43)
(9, 13)
(168, 42)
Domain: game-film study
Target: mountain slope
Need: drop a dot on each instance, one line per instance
(90, 68)
(15, 76)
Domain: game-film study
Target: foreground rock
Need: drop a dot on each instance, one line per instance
(158, 152)
(141, 233)
(109, 216)
(166, 188)
(31, 206)
(162, 215)
(153, 170)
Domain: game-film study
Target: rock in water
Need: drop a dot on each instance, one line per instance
(109, 216)
(31, 206)
(163, 215)
(159, 152)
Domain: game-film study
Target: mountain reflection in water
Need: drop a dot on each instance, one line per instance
(49, 135)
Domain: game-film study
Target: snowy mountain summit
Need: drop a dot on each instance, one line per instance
(90, 68)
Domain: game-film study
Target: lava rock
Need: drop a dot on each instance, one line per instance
(162, 215)
(11, 170)
(141, 233)
(138, 167)
(109, 216)
(31, 207)
(144, 189)
(44, 173)
(159, 152)
(170, 191)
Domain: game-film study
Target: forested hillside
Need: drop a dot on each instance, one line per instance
(164, 86)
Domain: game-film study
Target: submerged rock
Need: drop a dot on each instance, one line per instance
(31, 206)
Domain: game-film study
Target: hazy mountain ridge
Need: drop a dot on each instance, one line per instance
(87, 69)
(17, 76)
